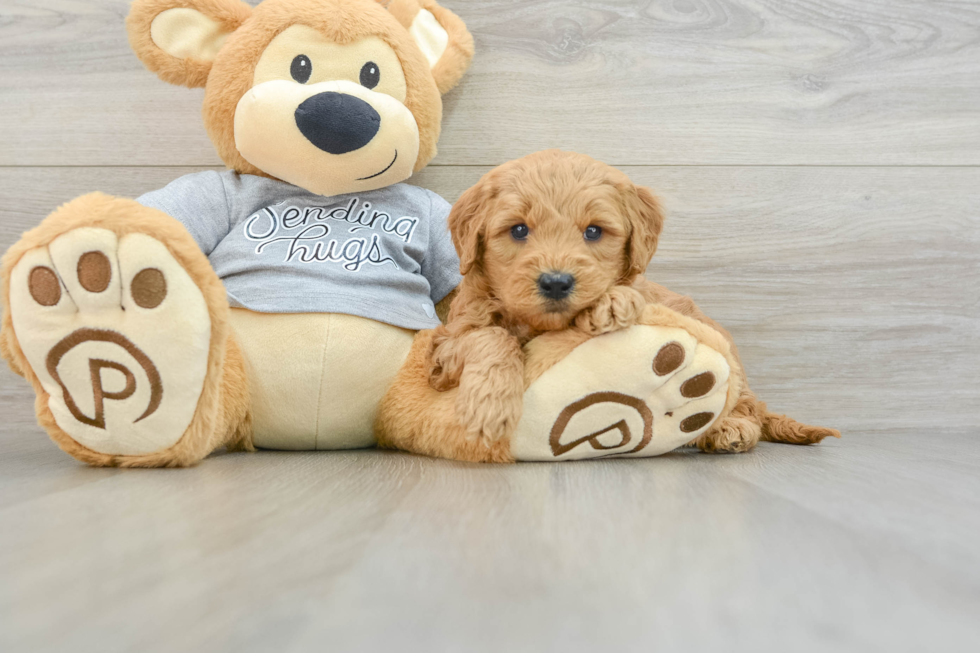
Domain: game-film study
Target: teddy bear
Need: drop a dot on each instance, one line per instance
(271, 305)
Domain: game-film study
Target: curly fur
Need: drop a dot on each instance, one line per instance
(558, 194)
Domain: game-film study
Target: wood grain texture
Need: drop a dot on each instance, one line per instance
(865, 544)
(651, 82)
(854, 294)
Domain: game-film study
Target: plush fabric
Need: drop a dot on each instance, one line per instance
(186, 33)
(220, 415)
(384, 255)
(563, 368)
(343, 22)
(83, 369)
(269, 137)
(455, 60)
(456, 53)
(248, 34)
(431, 37)
(607, 396)
(311, 385)
(184, 71)
(119, 322)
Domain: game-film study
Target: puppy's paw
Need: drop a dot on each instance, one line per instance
(621, 307)
(441, 378)
(488, 414)
(491, 387)
(445, 363)
(730, 435)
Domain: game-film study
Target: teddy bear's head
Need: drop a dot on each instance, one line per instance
(334, 96)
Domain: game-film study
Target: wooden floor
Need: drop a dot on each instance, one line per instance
(820, 160)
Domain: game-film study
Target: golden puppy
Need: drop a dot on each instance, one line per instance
(559, 241)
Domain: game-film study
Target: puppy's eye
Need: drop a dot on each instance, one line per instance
(301, 69)
(519, 232)
(593, 232)
(370, 75)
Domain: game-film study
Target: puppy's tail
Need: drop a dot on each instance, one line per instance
(780, 428)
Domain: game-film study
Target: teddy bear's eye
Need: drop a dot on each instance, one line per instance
(301, 69)
(593, 232)
(370, 75)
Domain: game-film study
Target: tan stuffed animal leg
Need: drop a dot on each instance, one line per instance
(641, 391)
(119, 323)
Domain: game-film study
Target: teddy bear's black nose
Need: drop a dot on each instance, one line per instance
(337, 122)
(556, 285)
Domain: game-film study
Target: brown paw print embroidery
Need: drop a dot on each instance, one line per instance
(94, 274)
(614, 436)
(118, 335)
(96, 367)
(616, 423)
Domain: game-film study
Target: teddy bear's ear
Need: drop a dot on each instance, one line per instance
(179, 39)
(440, 34)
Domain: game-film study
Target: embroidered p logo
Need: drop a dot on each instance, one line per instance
(592, 420)
(96, 367)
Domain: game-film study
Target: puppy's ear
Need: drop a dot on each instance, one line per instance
(179, 39)
(646, 217)
(440, 34)
(467, 223)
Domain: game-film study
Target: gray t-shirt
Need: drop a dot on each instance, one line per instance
(385, 254)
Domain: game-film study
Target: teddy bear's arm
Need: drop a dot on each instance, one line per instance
(198, 201)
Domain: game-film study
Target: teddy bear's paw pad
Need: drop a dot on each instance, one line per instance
(642, 391)
(117, 333)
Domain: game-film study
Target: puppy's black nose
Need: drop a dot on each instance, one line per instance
(556, 285)
(337, 122)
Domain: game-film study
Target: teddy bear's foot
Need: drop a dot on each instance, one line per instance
(117, 337)
(641, 391)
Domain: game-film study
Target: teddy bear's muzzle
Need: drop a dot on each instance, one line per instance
(337, 122)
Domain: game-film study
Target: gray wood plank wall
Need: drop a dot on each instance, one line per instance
(677, 82)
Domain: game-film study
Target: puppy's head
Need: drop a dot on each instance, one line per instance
(550, 233)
